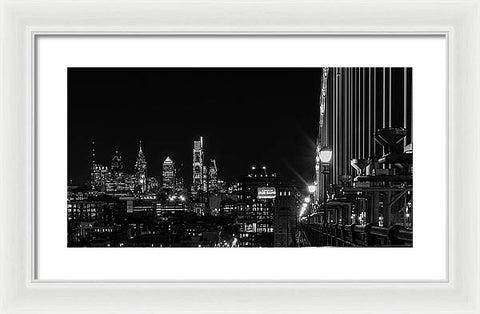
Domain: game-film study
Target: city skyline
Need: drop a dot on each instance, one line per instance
(167, 177)
(127, 105)
(204, 176)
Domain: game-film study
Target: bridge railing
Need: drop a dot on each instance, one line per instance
(358, 235)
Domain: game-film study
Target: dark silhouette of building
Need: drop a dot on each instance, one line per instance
(266, 210)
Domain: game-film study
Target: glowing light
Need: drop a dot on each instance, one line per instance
(325, 154)
(311, 188)
(302, 211)
(307, 199)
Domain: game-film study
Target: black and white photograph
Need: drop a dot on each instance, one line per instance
(240, 157)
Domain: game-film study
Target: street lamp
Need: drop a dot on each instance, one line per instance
(325, 157)
(311, 197)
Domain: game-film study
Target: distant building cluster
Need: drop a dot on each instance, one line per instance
(114, 180)
(135, 209)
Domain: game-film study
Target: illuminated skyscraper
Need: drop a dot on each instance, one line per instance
(117, 163)
(93, 168)
(205, 179)
(168, 174)
(116, 179)
(212, 176)
(199, 174)
(141, 171)
(98, 174)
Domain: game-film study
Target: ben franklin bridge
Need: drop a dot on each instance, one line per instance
(362, 191)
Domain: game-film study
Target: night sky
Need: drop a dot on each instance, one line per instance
(247, 116)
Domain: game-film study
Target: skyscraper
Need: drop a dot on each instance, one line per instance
(141, 171)
(212, 176)
(168, 174)
(117, 163)
(116, 179)
(179, 181)
(98, 174)
(198, 183)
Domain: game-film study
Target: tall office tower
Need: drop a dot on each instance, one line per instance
(141, 171)
(168, 174)
(116, 178)
(212, 176)
(98, 174)
(205, 179)
(198, 183)
(179, 182)
(117, 163)
(93, 168)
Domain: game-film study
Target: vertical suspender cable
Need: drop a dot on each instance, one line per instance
(390, 102)
(363, 114)
(335, 137)
(343, 116)
(405, 103)
(384, 107)
(359, 111)
(383, 99)
(347, 131)
(390, 97)
(353, 136)
(335, 85)
(374, 109)
(369, 112)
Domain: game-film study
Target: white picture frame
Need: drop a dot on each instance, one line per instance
(22, 21)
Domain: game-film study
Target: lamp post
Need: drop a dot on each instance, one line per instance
(325, 157)
(311, 191)
(309, 210)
